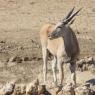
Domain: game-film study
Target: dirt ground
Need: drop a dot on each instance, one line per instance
(20, 23)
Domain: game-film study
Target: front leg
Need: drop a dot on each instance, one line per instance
(73, 72)
(61, 71)
(54, 69)
(45, 55)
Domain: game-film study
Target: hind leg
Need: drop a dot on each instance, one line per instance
(73, 72)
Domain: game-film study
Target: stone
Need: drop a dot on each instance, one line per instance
(83, 90)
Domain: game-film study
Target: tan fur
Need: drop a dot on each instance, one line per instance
(52, 45)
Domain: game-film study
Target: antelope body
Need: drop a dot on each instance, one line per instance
(61, 42)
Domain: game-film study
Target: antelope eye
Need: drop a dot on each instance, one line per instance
(59, 27)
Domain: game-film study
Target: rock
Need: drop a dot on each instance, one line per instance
(80, 64)
(87, 63)
(20, 90)
(23, 89)
(93, 90)
(8, 46)
(20, 48)
(17, 90)
(91, 67)
(78, 32)
(67, 90)
(8, 89)
(32, 3)
(15, 59)
(2, 41)
(89, 60)
(42, 90)
(83, 90)
(84, 68)
(32, 88)
(26, 59)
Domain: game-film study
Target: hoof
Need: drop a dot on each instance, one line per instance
(59, 88)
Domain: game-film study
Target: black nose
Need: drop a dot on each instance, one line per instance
(49, 35)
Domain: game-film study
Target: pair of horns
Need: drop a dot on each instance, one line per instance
(70, 16)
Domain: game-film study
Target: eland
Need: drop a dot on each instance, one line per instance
(60, 40)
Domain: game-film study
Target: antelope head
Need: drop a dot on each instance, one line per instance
(60, 27)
